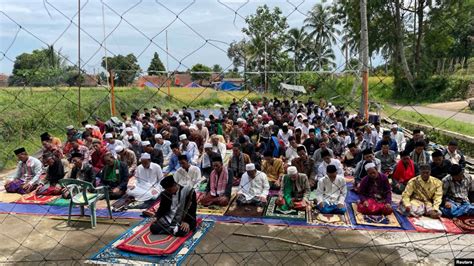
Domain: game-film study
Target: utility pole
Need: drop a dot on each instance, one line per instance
(79, 116)
(364, 51)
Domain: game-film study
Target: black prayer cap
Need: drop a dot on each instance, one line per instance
(331, 168)
(45, 136)
(455, 169)
(386, 133)
(19, 150)
(216, 158)
(167, 182)
(300, 148)
(77, 155)
(182, 157)
(453, 143)
(404, 153)
(437, 153)
(242, 140)
(367, 151)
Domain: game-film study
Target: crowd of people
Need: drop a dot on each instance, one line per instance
(286, 146)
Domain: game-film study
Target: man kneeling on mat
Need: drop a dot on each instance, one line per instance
(177, 212)
(294, 192)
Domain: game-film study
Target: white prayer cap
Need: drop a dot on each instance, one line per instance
(146, 143)
(264, 113)
(266, 125)
(200, 122)
(145, 156)
(250, 167)
(285, 124)
(394, 126)
(240, 120)
(311, 127)
(119, 149)
(207, 120)
(259, 116)
(369, 165)
(182, 124)
(158, 136)
(180, 113)
(271, 123)
(70, 127)
(329, 104)
(153, 109)
(208, 146)
(182, 137)
(88, 126)
(108, 135)
(158, 117)
(128, 129)
(292, 170)
(193, 127)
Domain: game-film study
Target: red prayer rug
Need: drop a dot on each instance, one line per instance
(429, 225)
(465, 223)
(144, 242)
(32, 198)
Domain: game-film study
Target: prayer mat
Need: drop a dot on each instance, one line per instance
(374, 220)
(213, 209)
(9, 197)
(32, 198)
(273, 211)
(465, 223)
(150, 212)
(244, 210)
(318, 218)
(429, 225)
(60, 202)
(110, 254)
(146, 243)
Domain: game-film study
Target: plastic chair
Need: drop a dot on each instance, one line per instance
(82, 194)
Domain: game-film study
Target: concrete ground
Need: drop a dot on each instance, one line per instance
(38, 240)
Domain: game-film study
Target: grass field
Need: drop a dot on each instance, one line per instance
(28, 112)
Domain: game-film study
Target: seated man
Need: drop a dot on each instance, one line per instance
(111, 143)
(27, 174)
(156, 155)
(98, 152)
(352, 156)
(419, 155)
(128, 157)
(331, 192)
(456, 188)
(205, 163)
(317, 155)
(253, 188)
(387, 157)
(294, 192)
(392, 144)
(237, 163)
(305, 164)
(360, 172)
(173, 166)
(114, 175)
(219, 187)
(423, 195)
(164, 146)
(81, 170)
(273, 168)
(404, 171)
(189, 148)
(187, 174)
(56, 171)
(177, 212)
(147, 177)
(454, 155)
(374, 193)
(328, 160)
(439, 166)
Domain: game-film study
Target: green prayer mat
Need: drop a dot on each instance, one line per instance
(273, 211)
(60, 202)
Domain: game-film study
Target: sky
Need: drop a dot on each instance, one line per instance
(130, 24)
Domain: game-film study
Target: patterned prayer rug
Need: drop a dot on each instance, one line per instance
(32, 198)
(318, 218)
(9, 197)
(375, 220)
(429, 225)
(465, 223)
(244, 211)
(213, 209)
(60, 202)
(273, 211)
(110, 254)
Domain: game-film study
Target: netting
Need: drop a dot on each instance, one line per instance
(91, 61)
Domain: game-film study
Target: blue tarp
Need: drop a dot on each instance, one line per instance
(228, 86)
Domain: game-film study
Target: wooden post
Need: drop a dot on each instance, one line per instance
(112, 93)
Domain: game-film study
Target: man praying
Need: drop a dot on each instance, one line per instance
(253, 188)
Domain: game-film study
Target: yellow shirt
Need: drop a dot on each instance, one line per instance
(429, 192)
(274, 170)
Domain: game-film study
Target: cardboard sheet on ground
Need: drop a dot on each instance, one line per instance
(244, 211)
(9, 197)
(273, 211)
(374, 220)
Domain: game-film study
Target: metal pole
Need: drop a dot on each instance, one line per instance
(167, 64)
(79, 59)
(112, 92)
(364, 48)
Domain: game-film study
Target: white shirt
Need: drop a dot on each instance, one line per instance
(36, 170)
(322, 168)
(331, 192)
(220, 148)
(256, 187)
(111, 147)
(147, 183)
(284, 137)
(192, 177)
(400, 139)
(127, 143)
(291, 153)
(192, 150)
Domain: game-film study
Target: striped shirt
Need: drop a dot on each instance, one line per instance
(458, 191)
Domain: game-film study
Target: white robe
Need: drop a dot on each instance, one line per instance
(147, 183)
(192, 177)
(257, 187)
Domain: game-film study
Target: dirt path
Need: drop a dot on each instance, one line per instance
(451, 106)
(462, 117)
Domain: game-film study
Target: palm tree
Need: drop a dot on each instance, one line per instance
(321, 58)
(322, 22)
(297, 43)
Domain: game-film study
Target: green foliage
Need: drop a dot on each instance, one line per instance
(125, 68)
(156, 65)
(200, 76)
(216, 68)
